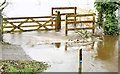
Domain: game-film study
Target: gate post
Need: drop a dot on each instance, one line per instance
(93, 24)
(75, 8)
(66, 27)
(52, 15)
(1, 38)
(58, 22)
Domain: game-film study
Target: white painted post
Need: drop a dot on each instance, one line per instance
(80, 60)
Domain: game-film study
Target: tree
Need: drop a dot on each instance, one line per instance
(2, 6)
(107, 16)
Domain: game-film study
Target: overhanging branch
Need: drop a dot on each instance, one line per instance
(118, 3)
(3, 3)
(4, 6)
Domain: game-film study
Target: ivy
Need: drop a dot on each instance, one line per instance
(107, 17)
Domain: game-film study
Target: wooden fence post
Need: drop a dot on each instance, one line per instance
(58, 22)
(65, 25)
(75, 16)
(51, 15)
(93, 24)
(1, 38)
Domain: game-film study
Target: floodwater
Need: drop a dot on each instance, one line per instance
(100, 54)
(103, 57)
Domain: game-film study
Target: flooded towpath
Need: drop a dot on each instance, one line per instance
(99, 54)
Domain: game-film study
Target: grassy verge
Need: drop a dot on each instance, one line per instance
(22, 66)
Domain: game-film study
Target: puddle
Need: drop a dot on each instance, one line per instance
(61, 58)
(98, 55)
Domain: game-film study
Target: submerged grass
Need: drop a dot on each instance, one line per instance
(22, 66)
(5, 43)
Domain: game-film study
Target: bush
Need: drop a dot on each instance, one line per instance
(107, 17)
(111, 29)
(22, 66)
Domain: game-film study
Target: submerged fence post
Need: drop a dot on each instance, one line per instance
(1, 38)
(58, 22)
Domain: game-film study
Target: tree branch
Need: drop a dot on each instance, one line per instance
(3, 3)
(118, 3)
(5, 6)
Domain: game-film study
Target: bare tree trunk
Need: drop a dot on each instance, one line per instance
(100, 18)
(1, 38)
(1, 18)
(119, 19)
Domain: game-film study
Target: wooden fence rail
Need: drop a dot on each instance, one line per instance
(75, 21)
(38, 23)
(63, 14)
(53, 21)
(75, 9)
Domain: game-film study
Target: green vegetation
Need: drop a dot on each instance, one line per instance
(5, 43)
(83, 33)
(107, 17)
(22, 66)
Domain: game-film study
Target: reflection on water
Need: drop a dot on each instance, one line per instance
(65, 46)
(57, 45)
(93, 43)
(106, 48)
(103, 57)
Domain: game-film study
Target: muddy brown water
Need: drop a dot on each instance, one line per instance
(100, 55)
(103, 57)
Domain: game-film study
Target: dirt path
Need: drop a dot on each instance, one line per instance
(14, 52)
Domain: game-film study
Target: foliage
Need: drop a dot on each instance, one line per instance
(5, 43)
(22, 66)
(83, 33)
(107, 17)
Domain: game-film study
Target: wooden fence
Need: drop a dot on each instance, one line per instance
(75, 20)
(52, 22)
(39, 24)
(84, 22)
(74, 9)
